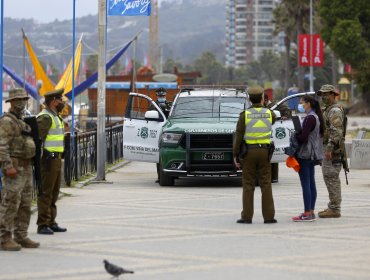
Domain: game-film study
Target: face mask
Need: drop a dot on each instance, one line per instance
(325, 100)
(20, 104)
(301, 108)
(161, 99)
(60, 107)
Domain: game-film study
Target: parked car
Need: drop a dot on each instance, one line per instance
(197, 137)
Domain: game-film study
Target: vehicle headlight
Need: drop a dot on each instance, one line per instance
(171, 138)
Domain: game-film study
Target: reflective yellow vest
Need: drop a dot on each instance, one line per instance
(258, 123)
(54, 138)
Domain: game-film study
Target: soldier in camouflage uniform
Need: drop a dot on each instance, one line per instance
(17, 148)
(331, 165)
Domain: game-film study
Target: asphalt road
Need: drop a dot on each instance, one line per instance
(189, 232)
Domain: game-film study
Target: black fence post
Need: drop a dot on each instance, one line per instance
(75, 154)
(67, 159)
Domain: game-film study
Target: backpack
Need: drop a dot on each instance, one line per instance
(293, 145)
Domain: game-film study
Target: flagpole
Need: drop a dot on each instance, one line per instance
(311, 46)
(101, 145)
(73, 71)
(1, 56)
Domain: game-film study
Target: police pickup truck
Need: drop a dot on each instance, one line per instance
(197, 137)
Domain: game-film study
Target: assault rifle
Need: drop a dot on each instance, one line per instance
(31, 121)
(342, 148)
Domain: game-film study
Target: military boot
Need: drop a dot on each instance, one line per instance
(28, 243)
(329, 213)
(10, 245)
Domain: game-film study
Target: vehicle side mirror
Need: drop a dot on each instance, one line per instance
(277, 114)
(152, 115)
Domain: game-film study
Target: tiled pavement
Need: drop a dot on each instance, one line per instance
(189, 232)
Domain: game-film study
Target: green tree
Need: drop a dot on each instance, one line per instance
(266, 69)
(292, 17)
(212, 71)
(92, 63)
(116, 68)
(284, 23)
(170, 65)
(346, 28)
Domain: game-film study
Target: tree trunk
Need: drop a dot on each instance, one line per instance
(287, 63)
(300, 71)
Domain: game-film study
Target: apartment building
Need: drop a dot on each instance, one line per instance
(249, 30)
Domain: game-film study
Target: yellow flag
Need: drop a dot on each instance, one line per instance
(40, 74)
(66, 79)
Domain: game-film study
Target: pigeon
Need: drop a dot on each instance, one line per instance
(115, 270)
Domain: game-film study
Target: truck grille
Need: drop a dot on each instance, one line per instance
(211, 141)
(197, 145)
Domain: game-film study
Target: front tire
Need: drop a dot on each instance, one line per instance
(164, 179)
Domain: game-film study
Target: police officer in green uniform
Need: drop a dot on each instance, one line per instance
(165, 107)
(51, 132)
(17, 149)
(162, 101)
(254, 129)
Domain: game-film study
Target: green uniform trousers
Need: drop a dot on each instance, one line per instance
(46, 203)
(257, 166)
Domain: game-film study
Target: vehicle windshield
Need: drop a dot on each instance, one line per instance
(208, 107)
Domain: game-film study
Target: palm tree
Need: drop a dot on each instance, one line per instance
(292, 17)
(283, 23)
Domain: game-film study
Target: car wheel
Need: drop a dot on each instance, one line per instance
(164, 179)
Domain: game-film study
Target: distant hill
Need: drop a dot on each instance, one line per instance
(186, 29)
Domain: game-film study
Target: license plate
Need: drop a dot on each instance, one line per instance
(213, 156)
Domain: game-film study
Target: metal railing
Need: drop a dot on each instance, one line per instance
(81, 151)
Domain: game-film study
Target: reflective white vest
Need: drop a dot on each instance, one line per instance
(54, 138)
(258, 123)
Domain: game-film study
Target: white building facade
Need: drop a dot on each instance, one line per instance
(249, 31)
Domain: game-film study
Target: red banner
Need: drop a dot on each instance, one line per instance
(304, 49)
(317, 50)
(348, 68)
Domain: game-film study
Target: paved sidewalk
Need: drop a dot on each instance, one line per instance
(189, 232)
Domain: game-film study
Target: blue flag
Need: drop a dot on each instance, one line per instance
(129, 7)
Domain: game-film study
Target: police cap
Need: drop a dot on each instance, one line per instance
(17, 93)
(327, 88)
(54, 94)
(160, 91)
(255, 90)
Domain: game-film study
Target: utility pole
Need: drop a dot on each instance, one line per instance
(101, 144)
(153, 35)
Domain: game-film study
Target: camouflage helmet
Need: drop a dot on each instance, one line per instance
(17, 93)
(327, 88)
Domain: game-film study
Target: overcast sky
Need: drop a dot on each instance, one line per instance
(49, 10)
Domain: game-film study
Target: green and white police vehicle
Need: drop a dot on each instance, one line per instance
(197, 137)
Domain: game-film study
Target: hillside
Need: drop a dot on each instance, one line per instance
(186, 29)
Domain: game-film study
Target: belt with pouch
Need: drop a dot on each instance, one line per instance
(257, 146)
(53, 155)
